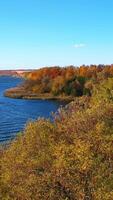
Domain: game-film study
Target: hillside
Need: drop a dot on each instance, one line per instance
(69, 159)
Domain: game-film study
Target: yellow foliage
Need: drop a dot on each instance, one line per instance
(68, 159)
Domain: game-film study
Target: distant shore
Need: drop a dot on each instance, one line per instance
(20, 93)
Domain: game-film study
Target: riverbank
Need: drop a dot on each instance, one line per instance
(20, 93)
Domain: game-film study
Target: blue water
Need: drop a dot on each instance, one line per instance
(14, 113)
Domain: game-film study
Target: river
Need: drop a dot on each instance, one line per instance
(14, 113)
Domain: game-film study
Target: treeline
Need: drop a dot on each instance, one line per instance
(69, 159)
(73, 81)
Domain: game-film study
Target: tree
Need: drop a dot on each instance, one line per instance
(58, 84)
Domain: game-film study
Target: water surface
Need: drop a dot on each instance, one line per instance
(14, 113)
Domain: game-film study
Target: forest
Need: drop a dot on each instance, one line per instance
(70, 158)
(66, 81)
(60, 82)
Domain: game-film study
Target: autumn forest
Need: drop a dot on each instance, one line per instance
(61, 82)
(70, 158)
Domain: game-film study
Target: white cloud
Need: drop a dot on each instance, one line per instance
(81, 45)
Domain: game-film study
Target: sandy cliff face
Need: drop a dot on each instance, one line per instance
(13, 72)
(8, 72)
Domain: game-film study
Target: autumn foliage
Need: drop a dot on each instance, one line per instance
(66, 81)
(69, 159)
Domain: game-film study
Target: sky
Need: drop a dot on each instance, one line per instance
(38, 33)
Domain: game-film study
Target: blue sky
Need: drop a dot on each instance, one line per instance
(37, 33)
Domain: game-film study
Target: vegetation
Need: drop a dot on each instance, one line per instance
(56, 82)
(69, 159)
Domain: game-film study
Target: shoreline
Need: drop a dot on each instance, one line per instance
(20, 93)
